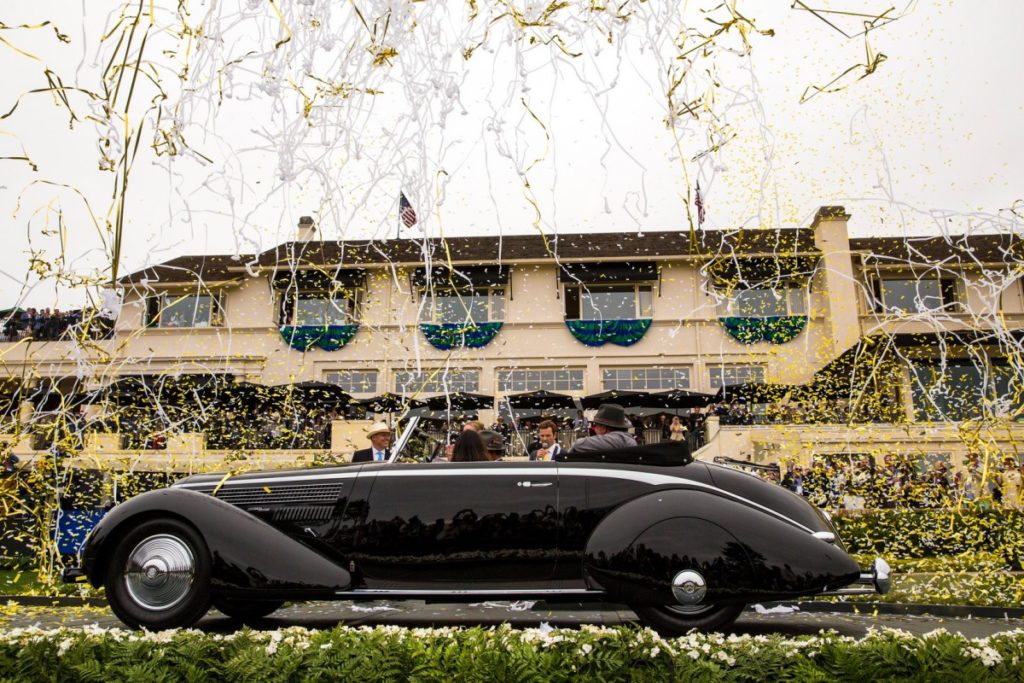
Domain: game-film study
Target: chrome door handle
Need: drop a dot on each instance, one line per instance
(533, 484)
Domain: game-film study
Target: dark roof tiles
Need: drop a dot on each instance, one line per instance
(567, 247)
(998, 248)
(213, 268)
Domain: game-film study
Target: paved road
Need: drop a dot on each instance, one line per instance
(328, 614)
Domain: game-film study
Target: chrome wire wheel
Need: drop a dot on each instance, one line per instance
(159, 572)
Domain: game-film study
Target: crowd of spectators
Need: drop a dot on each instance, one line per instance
(52, 325)
(834, 411)
(858, 483)
(292, 426)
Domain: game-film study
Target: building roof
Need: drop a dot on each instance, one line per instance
(489, 249)
(214, 268)
(512, 248)
(998, 248)
(1005, 248)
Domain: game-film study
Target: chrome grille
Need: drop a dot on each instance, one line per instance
(304, 494)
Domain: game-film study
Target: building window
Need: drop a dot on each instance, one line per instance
(645, 379)
(355, 381)
(920, 295)
(184, 310)
(541, 379)
(476, 305)
(436, 381)
(960, 390)
(729, 375)
(607, 302)
(766, 303)
(319, 308)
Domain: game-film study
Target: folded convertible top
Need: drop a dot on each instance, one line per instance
(664, 454)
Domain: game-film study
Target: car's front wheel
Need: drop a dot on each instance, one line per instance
(159, 576)
(246, 610)
(675, 620)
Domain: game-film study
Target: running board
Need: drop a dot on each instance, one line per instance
(441, 595)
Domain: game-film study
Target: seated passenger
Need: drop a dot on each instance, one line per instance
(469, 447)
(610, 425)
(494, 443)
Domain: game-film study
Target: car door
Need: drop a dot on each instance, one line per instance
(482, 523)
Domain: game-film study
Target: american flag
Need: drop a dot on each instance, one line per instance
(405, 211)
(699, 203)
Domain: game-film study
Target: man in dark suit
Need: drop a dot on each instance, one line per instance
(380, 444)
(549, 447)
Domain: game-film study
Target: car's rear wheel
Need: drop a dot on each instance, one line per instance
(246, 610)
(159, 576)
(674, 620)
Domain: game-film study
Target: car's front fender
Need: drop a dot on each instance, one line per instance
(247, 553)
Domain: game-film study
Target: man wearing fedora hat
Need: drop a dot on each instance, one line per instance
(380, 443)
(611, 428)
(494, 443)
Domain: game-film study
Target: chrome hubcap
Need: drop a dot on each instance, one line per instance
(159, 572)
(689, 588)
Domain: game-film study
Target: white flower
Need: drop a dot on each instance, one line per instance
(986, 654)
(586, 648)
(655, 652)
(64, 646)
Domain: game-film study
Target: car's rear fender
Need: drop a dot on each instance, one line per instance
(741, 552)
(247, 554)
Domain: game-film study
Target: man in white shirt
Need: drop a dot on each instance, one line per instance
(549, 448)
(380, 444)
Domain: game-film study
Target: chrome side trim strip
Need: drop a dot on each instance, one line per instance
(267, 480)
(467, 591)
(438, 470)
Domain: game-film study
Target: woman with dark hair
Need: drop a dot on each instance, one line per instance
(469, 447)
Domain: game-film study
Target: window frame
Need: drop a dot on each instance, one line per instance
(428, 313)
(439, 383)
(730, 304)
(735, 366)
(505, 383)
(156, 307)
(685, 369)
(945, 285)
(577, 291)
(331, 375)
(985, 396)
(288, 304)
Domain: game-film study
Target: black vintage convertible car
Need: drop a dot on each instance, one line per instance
(685, 544)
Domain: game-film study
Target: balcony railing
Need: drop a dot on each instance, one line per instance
(54, 326)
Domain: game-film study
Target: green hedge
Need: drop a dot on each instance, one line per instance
(912, 534)
(391, 653)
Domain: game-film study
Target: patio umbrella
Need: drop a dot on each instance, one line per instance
(677, 398)
(626, 399)
(317, 393)
(460, 401)
(250, 394)
(389, 403)
(540, 400)
(186, 390)
(753, 392)
(123, 390)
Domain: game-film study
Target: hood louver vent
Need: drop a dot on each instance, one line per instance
(306, 495)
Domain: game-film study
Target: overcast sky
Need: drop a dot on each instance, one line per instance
(520, 137)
